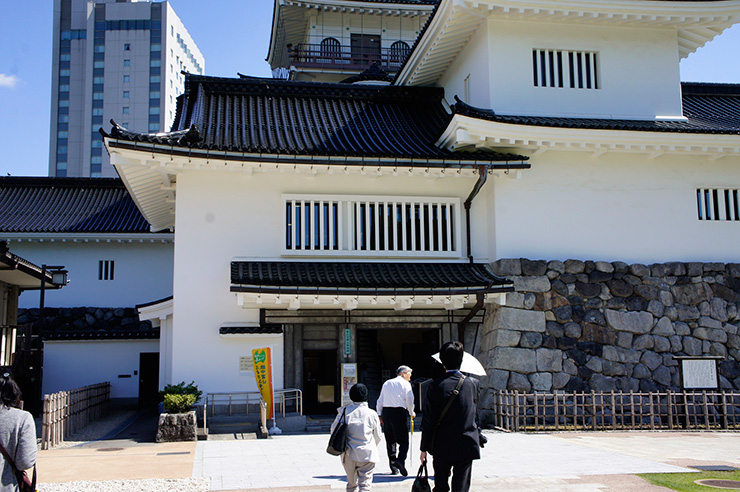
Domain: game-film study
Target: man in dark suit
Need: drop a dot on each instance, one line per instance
(453, 441)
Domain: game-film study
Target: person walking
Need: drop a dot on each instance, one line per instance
(452, 439)
(394, 405)
(363, 436)
(17, 434)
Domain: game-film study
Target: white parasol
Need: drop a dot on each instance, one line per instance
(470, 364)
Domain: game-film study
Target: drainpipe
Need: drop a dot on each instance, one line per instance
(482, 177)
(480, 297)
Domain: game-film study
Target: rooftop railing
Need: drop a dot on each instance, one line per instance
(347, 58)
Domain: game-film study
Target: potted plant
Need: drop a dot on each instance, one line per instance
(177, 421)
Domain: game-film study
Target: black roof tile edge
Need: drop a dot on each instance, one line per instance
(53, 181)
(267, 329)
(101, 335)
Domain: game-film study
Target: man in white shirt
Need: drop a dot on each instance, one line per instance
(395, 404)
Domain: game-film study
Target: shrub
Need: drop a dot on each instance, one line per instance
(181, 389)
(174, 403)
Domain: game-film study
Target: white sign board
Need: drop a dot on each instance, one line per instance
(699, 373)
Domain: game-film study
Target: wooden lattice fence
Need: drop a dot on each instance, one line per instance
(705, 410)
(67, 412)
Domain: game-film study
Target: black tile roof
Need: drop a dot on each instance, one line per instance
(364, 278)
(265, 329)
(287, 118)
(709, 108)
(59, 335)
(67, 205)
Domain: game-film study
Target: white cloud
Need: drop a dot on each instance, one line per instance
(9, 81)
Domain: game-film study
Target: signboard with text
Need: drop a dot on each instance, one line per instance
(263, 374)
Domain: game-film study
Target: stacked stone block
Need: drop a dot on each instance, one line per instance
(578, 326)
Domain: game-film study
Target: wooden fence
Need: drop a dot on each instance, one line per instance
(67, 412)
(705, 410)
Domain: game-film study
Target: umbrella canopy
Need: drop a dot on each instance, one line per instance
(470, 364)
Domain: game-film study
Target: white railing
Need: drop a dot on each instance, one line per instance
(237, 403)
(371, 225)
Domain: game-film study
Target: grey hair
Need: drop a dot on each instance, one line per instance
(402, 369)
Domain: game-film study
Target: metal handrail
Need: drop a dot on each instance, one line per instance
(283, 398)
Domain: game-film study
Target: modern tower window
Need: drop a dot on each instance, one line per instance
(124, 110)
(126, 62)
(127, 78)
(126, 46)
(126, 94)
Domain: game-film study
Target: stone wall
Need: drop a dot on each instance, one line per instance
(597, 326)
(85, 319)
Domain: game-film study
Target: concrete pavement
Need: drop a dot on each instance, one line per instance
(566, 462)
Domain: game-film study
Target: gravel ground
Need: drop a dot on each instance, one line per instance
(91, 432)
(151, 485)
(99, 429)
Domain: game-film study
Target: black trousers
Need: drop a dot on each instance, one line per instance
(461, 473)
(396, 430)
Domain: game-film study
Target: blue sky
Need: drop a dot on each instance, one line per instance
(232, 35)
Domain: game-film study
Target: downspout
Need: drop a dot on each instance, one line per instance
(482, 177)
(480, 296)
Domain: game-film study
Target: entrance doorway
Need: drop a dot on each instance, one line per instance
(320, 382)
(381, 351)
(148, 379)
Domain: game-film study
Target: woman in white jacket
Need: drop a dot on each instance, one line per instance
(363, 436)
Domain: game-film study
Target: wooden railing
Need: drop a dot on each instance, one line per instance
(347, 58)
(67, 412)
(705, 410)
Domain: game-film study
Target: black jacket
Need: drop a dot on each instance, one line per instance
(456, 438)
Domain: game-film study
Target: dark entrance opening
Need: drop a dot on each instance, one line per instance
(365, 49)
(148, 379)
(320, 382)
(381, 351)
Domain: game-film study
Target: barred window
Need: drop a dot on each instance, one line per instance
(717, 204)
(562, 68)
(106, 269)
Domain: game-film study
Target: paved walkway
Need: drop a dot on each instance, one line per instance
(566, 462)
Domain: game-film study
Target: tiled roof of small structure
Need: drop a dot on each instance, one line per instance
(709, 108)
(67, 205)
(292, 276)
(61, 335)
(289, 118)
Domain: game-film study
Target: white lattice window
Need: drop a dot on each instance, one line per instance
(371, 225)
(717, 204)
(562, 68)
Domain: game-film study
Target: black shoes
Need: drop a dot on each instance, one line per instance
(394, 468)
(399, 466)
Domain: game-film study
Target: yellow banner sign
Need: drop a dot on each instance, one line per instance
(263, 374)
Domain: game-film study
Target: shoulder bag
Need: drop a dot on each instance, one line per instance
(421, 483)
(338, 440)
(25, 484)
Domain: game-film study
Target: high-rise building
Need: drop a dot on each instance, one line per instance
(113, 59)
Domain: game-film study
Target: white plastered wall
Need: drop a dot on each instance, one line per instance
(225, 215)
(74, 364)
(638, 71)
(473, 63)
(143, 272)
(617, 207)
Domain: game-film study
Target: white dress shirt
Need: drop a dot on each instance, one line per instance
(396, 392)
(363, 432)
